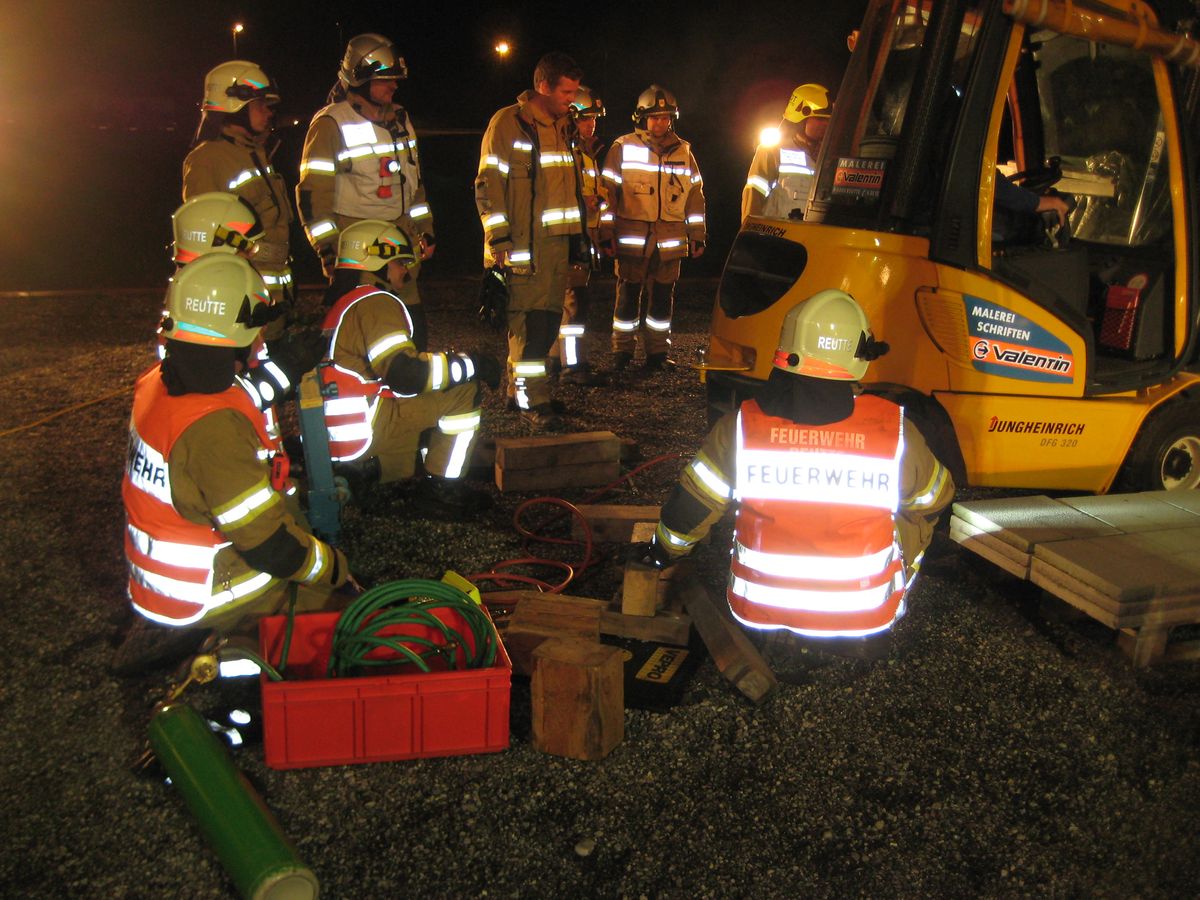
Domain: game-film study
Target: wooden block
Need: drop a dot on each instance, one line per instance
(539, 617)
(558, 476)
(1145, 646)
(578, 698)
(667, 627)
(640, 595)
(557, 450)
(1025, 522)
(612, 522)
(736, 657)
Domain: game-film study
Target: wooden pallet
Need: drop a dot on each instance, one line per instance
(1130, 561)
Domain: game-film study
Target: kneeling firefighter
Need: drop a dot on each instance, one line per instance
(211, 540)
(386, 403)
(836, 491)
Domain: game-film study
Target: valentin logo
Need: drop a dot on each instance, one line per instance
(1005, 343)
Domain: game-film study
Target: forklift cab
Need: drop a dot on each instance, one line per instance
(1002, 327)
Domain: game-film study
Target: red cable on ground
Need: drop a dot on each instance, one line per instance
(496, 573)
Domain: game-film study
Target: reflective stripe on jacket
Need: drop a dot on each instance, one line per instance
(815, 546)
(171, 559)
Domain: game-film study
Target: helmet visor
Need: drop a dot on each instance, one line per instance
(381, 63)
(388, 251)
(247, 90)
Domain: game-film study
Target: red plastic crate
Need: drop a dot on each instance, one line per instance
(312, 720)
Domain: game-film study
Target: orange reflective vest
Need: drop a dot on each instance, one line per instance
(351, 400)
(171, 560)
(815, 548)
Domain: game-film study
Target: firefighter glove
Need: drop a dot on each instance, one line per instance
(487, 369)
(493, 299)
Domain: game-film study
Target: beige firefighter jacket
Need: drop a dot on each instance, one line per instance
(780, 180)
(528, 186)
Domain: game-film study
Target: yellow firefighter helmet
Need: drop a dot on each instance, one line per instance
(215, 222)
(807, 100)
(371, 244)
(232, 85)
(218, 300)
(827, 336)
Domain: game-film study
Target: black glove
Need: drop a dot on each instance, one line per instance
(652, 555)
(493, 299)
(487, 368)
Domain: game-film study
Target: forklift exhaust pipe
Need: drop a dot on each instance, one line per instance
(245, 835)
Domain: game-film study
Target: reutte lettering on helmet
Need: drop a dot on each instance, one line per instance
(204, 305)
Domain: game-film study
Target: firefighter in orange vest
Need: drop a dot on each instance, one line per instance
(211, 539)
(394, 403)
(836, 491)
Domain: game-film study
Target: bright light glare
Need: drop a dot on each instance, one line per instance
(769, 137)
(503, 48)
(238, 28)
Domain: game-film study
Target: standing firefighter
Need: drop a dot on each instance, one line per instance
(360, 161)
(211, 541)
(394, 404)
(836, 491)
(570, 348)
(232, 154)
(781, 174)
(529, 198)
(657, 199)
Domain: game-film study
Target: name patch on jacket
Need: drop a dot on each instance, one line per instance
(818, 478)
(147, 469)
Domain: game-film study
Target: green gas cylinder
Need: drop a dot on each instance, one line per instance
(249, 842)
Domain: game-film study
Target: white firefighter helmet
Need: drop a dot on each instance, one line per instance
(807, 100)
(827, 336)
(370, 56)
(654, 99)
(232, 85)
(215, 222)
(216, 301)
(371, 244)
(587, 104)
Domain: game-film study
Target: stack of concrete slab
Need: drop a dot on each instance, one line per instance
(1131, 561)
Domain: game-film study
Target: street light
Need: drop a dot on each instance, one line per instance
(238, 28)
(502, 48)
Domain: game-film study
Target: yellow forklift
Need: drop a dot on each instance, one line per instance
(1032, 353)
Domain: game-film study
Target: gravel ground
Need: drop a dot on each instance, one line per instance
(992, 753)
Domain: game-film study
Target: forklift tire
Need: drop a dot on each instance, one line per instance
(1166, 454)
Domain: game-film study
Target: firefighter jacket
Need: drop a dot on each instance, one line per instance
(238, 164)
(528, 186)
(353, 168)
(832, 519)
(780, 180)
(370, 358)
(588, 153)
(655, 192)
(198, 495)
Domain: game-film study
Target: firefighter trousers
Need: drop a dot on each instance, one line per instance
(644, 304)
(535, 300)
(570, 348)
(442, 424)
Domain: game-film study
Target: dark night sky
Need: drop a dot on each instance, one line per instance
(67, 68)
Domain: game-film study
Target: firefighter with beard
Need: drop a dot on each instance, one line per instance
(657, 198)
(781, 174)
(393, 403)
(836, 490)
(360, 161)
(213, 539)
(232, 154)
(528, 195)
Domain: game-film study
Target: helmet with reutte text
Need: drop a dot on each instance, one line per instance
(371, 244)
(215, 222)
(218, 301)
(827, 336)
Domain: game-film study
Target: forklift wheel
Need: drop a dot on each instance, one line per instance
(1166, 455)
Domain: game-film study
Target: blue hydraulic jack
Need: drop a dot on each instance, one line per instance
(324, 496)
